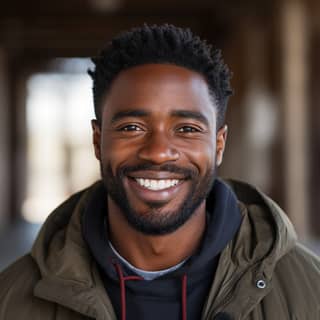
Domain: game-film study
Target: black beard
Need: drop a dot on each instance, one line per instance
(154, 223)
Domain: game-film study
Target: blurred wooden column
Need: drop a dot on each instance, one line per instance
(4, 141)
(295, 116)
(260, 109)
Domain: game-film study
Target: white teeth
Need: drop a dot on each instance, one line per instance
(162, 184)
(152, 184)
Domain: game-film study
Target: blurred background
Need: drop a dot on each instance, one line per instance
(272, 47)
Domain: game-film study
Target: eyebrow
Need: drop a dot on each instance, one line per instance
(176, 113)
(131, 113)
(190, 115)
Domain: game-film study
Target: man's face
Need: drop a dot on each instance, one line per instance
(158, 146)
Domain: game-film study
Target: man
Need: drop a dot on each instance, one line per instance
(161, 237)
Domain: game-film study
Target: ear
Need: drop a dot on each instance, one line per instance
(221, 144)
(96, 138)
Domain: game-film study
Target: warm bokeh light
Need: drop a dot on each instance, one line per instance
(60, 152)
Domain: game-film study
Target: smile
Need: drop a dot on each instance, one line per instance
(151, 187)
(157, 185)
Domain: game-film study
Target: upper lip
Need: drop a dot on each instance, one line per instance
(157, 175)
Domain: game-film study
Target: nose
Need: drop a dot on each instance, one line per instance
(158, 149)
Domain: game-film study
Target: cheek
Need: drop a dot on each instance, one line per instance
(202, 156)
(116, 153)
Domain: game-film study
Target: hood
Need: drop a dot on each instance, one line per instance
(69, 275)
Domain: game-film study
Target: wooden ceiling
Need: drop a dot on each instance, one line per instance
(51, 28)
(34, 8)
(78, 27)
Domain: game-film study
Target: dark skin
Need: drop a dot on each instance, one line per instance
(159, 114)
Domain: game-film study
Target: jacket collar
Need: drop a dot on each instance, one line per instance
(69, 276)
(246, 266)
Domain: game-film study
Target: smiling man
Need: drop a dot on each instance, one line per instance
(160, 237)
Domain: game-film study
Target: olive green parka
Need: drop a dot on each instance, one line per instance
(263, 273)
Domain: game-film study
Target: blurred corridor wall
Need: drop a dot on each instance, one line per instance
(272, 48)
(4, 140)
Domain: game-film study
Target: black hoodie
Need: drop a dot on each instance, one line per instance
(180, 294)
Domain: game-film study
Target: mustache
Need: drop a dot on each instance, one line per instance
(188, 173)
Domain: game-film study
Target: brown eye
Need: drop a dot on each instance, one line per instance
(188, 129)
(131, 127)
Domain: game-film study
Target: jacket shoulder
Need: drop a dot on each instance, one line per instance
(296, 284)
(16, 289)
(301, 265)
(23, 272)
(17, 300)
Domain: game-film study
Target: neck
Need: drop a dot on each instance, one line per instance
(149, 252)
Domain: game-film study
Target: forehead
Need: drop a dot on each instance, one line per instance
(159, 88)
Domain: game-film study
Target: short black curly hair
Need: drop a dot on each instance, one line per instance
(161, 44)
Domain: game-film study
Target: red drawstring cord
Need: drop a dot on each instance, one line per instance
(184, 297)
(122, 280)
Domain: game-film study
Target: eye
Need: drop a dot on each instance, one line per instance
(188, 129)
(130, 127)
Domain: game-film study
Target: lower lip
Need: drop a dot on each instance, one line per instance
(148, 195)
